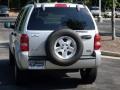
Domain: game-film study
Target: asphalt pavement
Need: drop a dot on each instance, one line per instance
(108, 77)
(105, 27)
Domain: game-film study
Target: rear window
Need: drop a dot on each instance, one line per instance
(54, 18)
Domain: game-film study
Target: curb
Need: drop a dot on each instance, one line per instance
(109, 53)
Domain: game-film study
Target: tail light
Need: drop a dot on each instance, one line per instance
(97, 40)
(24, 42)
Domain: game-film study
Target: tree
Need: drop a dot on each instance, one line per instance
(88, 2)
(107, 4)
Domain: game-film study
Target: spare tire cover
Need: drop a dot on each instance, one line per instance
(64, 47)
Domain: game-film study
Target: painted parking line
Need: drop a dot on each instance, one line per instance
(110, 57)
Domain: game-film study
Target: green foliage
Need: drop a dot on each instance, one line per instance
(107, 4)
(88, 2)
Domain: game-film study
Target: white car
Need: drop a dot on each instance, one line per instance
(95, 10)
(108, 14)
(60, 37)
(117, 12)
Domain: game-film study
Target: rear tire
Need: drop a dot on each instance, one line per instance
(88, 76)
(11, 58)
(18, 75)
(15, 70)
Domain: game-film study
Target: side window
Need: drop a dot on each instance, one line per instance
(18, 19)
(23, 19)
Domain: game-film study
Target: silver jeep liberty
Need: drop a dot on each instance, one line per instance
(55, 36)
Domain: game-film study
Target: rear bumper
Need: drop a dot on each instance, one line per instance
(85, 63)
(38, 63)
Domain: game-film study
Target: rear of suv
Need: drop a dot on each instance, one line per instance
(55, 37)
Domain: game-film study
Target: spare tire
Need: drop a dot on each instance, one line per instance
(64, 47)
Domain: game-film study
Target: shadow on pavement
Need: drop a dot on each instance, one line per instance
(50, 83)
(5, 76)
(35, 81)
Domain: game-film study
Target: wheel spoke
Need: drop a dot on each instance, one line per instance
(71, 49)
(61, 42)
(58, 49)
(64, 54)
(69, 42)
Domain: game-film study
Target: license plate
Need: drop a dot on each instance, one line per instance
(36, 64)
